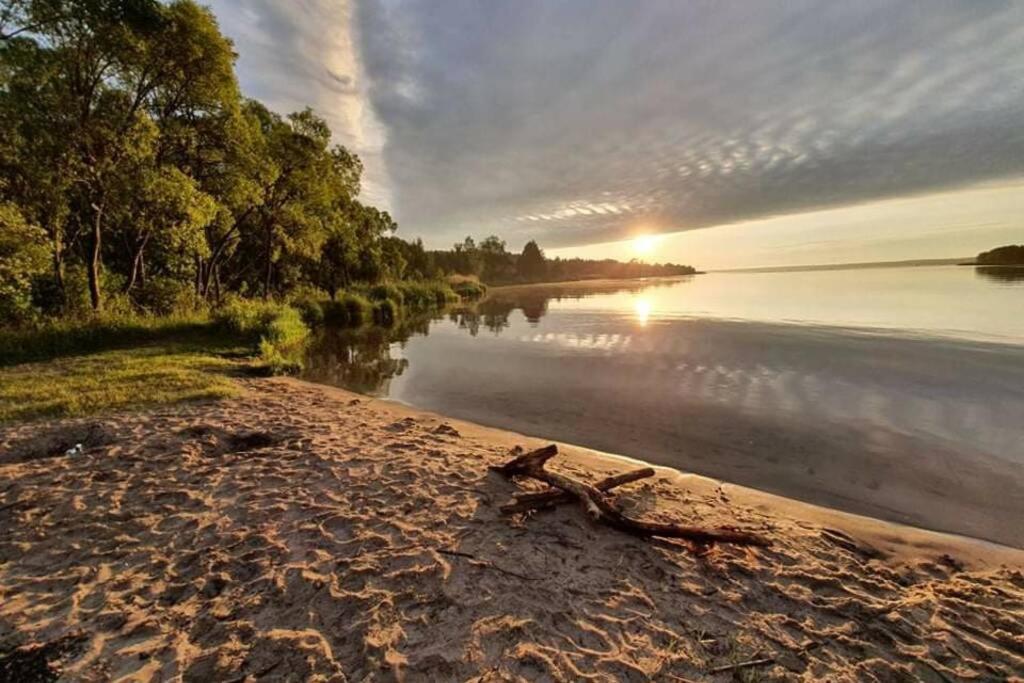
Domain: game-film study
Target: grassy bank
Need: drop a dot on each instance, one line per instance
(101, 364)
(191, 365)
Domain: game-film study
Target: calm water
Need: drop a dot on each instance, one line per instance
(895, 392)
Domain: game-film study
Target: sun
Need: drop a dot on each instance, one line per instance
(644, 244)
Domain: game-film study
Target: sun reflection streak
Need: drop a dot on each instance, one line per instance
(643, 311)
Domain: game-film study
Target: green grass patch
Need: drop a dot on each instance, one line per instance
(197, 367)
(57, 338)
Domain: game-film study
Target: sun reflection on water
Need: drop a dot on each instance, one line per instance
(642, 307)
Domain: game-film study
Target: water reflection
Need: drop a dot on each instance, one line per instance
(1007, 274)
(643, 311)
(363, 360)
(366, 360)
(784, 396)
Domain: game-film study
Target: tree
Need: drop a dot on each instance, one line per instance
(100, 77)
(532, 264)
(23, 257)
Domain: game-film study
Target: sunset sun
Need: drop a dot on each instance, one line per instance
(644, 244)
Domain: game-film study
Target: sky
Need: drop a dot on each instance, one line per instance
(742, 134)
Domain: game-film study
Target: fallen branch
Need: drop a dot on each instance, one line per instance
(485, 564)
(552, 498)
(741, 665)
(597, 505)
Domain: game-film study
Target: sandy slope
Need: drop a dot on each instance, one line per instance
(297, 534)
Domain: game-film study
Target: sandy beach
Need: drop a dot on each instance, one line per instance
(303, 533)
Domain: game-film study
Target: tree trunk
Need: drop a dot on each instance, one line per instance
(270, 266)
(138, 266)
(58, 272)
(94, 259)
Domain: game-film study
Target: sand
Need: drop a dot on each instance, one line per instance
(304, 533)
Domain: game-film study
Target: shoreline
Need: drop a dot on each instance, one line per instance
(895, 539)
(596, 283)
(303, 532)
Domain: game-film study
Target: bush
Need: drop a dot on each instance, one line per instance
(164, 296)
(311, 310)
(385, 291)
(469, 289)
(425, 295)
(386, 312)
(335, 313)
(280, 345)
(247, 317)
(23, 258)
(358, 309)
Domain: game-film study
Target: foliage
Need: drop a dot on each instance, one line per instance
(386, 312)
(1010, 255)
(358, 309)
(469, 289)
(424, 295)
(490, 262)
(385, 291)
(23, 258)
(280, 344)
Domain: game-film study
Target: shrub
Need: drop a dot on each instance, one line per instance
(280, 345)
(335, 313)
(358, 309)
(22, 259)
(165, 296)
(247, 317)
(310, 302)
(469, 289)
(311, 311)
(385, 291)
(426, 295)
(386, 312)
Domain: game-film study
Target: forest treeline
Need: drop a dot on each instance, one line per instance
(1010, 255)
(135, 176)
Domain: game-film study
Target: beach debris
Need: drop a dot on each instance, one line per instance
(484, 564)
(526, 502)
(741, 665)
(445, 428)
(599, 507)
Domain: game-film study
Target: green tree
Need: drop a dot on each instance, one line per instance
(532, 265)
(23, 257)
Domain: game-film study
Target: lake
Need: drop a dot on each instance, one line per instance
(892, 392)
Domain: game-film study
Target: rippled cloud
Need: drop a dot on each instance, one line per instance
(581, 121)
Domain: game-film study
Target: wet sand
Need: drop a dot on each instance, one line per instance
(305, 533)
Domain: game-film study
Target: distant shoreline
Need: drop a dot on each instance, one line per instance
(595, 282)
(851, 266)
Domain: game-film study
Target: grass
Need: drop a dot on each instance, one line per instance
(191, 367)
(115, 362)
(59, 338)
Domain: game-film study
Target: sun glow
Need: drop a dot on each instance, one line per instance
(644, 244)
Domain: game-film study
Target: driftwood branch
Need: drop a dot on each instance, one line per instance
(552, 498)
(601, 509)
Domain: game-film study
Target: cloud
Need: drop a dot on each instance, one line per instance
(575, 122)
(579, 121)
(306, 53)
